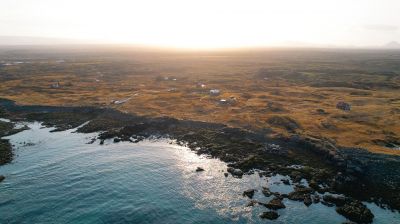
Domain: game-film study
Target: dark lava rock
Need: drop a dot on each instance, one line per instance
(300, 193)
(2, 178)
(321, 111)
(307, 200)
(275, 204)
(252, 203)
(249, 193)
(337, 200)
(266, 192)
(237, 172)
(316, 199)
(6, 153)
(92, 141)
(343, 106)
(199, 169)
(314, 185)
(327, 204)
(226, 174)
(271, 215)
(117, 140)
(356, 212)
(102, 142)
(285, 181)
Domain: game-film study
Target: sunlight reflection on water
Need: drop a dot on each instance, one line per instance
(58, 178)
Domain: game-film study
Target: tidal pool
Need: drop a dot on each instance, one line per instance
(57, 177)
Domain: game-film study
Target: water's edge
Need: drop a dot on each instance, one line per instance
(209, 194)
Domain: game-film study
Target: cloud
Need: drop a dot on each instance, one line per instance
(381, 27)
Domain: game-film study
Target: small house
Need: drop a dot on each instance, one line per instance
(55, 85)
(215, 92)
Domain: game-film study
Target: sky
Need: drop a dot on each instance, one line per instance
(206, 23)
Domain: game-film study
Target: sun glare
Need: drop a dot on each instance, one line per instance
(201, 24)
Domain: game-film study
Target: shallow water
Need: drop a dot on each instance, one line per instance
(58, 178)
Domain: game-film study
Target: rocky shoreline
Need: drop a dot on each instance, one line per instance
(355, 173)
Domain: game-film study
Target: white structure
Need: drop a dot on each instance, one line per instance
(55, 85)
(215, 92)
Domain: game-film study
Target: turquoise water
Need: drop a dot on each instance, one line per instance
(58, 178)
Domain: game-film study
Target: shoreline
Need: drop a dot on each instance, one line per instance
(355, 173)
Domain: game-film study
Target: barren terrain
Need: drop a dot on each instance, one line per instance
(277, 92)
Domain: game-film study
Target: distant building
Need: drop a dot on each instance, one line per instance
(172, 90)
(55, 85)
(200, 85)
(232, 100)
(343, 106)
(215, 92)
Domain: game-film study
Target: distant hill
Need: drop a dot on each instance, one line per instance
(392, 45)
(25, 40)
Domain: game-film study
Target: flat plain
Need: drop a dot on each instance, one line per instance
(277, 92)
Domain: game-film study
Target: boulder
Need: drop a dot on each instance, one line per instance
(300, 193)
(343, 106)
(314, 185)
(249, 193)
(285, 181)
(275, 203)
(327, 204)
(316, 199)
(307, 200)
(266, 192)
(237, 172)
(199, 169)
(337, 200)
(2, 178)
(226, 174)
(252, 203)
(356, 211)
(271, 215)
(117, 140)
(230, 169)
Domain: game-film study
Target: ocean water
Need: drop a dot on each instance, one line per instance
(57, 177)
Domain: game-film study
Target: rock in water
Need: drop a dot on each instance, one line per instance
(226, 174)
(271, 215)
(249, 193)
(252, 203)
(307, 200)
(316, 199)
(300, 193)
(237, 172)
(199, 169)
(266, 192)
(337, 200)
(2, 178)
(356, 212)
(275, 204)
(116, 140)
(285, 181)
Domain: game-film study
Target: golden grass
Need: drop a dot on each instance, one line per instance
(374, 115)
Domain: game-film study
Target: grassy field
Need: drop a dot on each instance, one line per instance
(275, 91)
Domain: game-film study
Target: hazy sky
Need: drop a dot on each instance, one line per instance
(206, 23)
